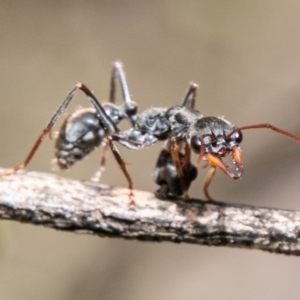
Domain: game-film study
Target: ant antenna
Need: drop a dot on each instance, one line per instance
(268, 126)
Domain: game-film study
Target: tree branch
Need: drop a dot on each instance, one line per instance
(71, 205)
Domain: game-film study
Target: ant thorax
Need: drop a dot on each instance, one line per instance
(154, 122)
(181, 120)
(114, 112)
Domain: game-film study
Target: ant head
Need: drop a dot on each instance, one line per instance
(214, 138)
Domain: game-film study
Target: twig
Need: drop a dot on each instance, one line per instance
(71, 205)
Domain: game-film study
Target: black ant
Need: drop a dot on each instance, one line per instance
(182, 127)
(88, 128)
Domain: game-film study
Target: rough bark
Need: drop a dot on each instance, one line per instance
(71, 205)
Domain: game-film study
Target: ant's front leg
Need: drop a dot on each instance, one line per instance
(210, 175)
(134, 139)
(166, 175)
(176, 160)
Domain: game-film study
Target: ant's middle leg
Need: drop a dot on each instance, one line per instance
(122, 112)
(129, 109)
(101, 168)
(122, 166)
(166, 176)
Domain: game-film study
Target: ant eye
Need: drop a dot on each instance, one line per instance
(214, 142)
(237, 136)
(195, 144)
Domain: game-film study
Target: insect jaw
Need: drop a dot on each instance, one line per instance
(216, 161)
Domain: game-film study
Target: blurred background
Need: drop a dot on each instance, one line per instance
(245, 57)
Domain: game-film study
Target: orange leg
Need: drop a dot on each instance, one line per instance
(122, 166)
(187, 156)
(101, 168)
(208, 179)
(176, 160)
(30, 155)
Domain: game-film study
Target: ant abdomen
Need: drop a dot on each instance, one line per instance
(80, 134)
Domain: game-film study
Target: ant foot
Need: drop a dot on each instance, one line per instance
(131, 205)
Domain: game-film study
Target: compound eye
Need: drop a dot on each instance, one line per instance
(214, 142)
(237, 136)
(196, 144)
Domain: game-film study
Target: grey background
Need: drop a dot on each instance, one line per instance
(245, 57)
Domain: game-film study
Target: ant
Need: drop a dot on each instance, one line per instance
(183, 128)
(88, 128)
(186, 130)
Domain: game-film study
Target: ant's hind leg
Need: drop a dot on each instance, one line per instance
(46, 130)
(24, 164)
(117, 71)
(129, 109)
(108, 123)
(190, 97)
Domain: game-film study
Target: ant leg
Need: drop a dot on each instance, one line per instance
(187, 156)
(46, 130)
(117, 70)
(176, 159)
(208, 179)
(29, 156)
(105, 119)
(129, 110)
(166, 176)
(111, 129)
(190, 97)
(101, 168)
(122, 166)
(108, 123)
(134, 139)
